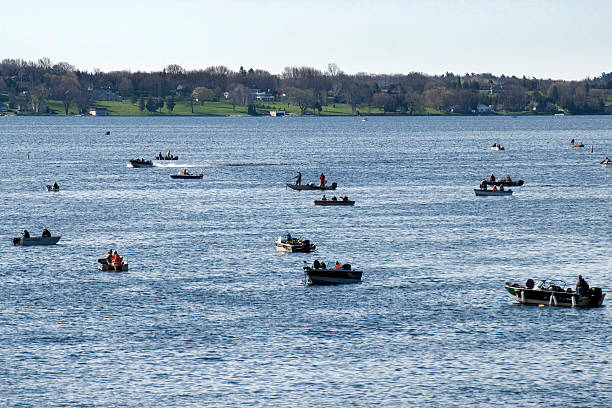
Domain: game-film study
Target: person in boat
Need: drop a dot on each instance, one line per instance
(26, 234)
(494, 188)
(483, 184)
(334, 198)
(167, 155)
(316, 264)
(46, 232)
(337, 266)
(573, 141)
(185, 172)
(606, 160)
(492, 178)
(298, 179)
(55, 186)
(582, 287)
(344, 198)
(324, 198)
(109, 257)
(501, 187)
(116, 259)
(322, 179)
(322, 265)
(288, 237)
(508, 179)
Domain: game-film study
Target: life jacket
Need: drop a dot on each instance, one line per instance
(116, 259)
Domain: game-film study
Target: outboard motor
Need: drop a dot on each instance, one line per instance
(16, 241)
(306, 243)
(346, 267)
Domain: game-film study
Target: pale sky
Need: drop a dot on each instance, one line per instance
(545, 39)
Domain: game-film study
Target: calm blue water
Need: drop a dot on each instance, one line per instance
(211, 315)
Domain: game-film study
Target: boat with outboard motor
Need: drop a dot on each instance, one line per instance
(554, 293)
(31, 241)
(311, 186)
(168, 156)
(319, 274)
(334, 201)
(137, 163)
(497, 146)
(294, 245)
(52, 187)
(184, 174)
(606, 162)
(485, 192)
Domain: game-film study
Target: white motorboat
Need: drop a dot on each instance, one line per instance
(36, 240)
(294, 245)
(483, 192)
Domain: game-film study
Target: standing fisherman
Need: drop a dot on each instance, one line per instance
(298, 179)
(322, 179)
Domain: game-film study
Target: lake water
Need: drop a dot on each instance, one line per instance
(210, 314)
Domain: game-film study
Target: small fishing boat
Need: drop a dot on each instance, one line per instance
(334, 202)
(103, 266)
(483, 192)
(36, 240)
(187, 176)
(141, 163)
(506, 183)
(168, 157)
(311, 186)
(294, 245)
(553, 293)
(497, 147)
(324, 276)
(606, 163)
(52, 187)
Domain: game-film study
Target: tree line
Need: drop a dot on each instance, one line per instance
(28, 84)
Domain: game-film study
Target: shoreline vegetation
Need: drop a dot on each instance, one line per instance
(43, 88)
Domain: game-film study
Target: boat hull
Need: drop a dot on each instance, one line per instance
(539, 297)
(32, 241)
(187, 177)
(606, 164)
(480, 192)
(334, 202)
(141, 163)
(497, 148)
(106, 267)
(330, 276)
(301, 187)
